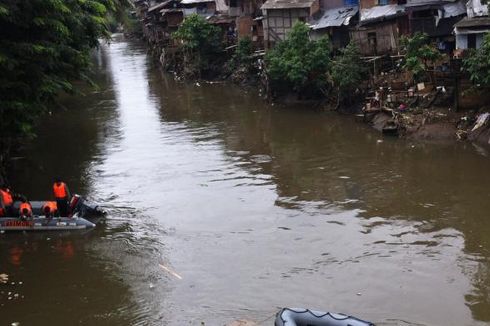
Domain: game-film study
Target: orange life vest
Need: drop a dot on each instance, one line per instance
(59, 190)
(25, 206)
(52, 206)
(7, 197)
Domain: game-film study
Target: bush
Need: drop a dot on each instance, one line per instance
(420, 55)
(299, 63)
(242, 58)
(477, 63)
(200, 42)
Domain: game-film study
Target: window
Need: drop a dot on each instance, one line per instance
(383, 2)
(372, 42)
(471, 41)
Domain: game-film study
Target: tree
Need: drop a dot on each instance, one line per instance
(200, 42)
(477, 63)
(44, 46)
(298, 62)
(347, 73)
(420, 55)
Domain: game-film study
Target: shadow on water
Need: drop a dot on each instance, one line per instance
(255, 206)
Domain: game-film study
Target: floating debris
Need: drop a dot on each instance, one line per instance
(4, 278)
(170, 271)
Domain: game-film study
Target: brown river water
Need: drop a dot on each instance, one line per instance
(252, 207)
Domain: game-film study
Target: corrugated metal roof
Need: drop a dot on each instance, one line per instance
(335, 17)
(287, 4)
(188, 2)
(158, 6)
(473, 22)
(415, 3)
(381, 12)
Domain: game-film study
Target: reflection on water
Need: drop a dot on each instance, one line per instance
(254, 206)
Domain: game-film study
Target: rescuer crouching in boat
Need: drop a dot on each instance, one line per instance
(50, 209)
(62, 196)
(7, 199)
(25, 210)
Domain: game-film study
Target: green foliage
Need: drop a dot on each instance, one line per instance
(348, 71)
(200, 41)
(44, 46)
(477, 63)
(243, 53)
(420, 55)
(299, 62)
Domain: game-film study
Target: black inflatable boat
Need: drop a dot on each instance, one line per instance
(306, 317)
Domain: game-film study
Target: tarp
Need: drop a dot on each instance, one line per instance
(335, 17)
(378, 13)
(221, 6)
(454, 9)
(475, 8)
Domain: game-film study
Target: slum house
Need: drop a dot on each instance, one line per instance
(171, 16)
(248, 19)
(154, 26)
(227, 26)
(204, 8)
(471, 30)
(436, 18)
(335, 23)
(381, 24)
(280, 16)
(141, 7)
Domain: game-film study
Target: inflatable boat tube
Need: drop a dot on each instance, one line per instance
(44, 224)
(306, 317)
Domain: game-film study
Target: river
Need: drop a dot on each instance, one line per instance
(222, 207)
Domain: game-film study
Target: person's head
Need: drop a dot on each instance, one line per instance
(24, 200)
(47, 210)
(25, 211)
(57, 179)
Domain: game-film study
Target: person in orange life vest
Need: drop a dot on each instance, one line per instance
(7, 200)
(49, 209)
(25, 209)
(62, 196)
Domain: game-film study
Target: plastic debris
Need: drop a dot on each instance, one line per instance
(482, 119)
(4, 278)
